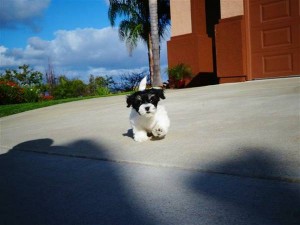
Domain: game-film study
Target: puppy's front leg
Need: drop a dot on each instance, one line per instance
(140, 135)
(159, 131)
(161, 128)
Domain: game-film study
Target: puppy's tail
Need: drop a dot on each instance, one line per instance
(143, 84)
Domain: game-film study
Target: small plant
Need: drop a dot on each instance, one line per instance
(178, 74)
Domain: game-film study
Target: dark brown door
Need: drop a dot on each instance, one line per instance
(273, 38)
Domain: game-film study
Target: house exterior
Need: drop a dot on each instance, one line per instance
(235, 40)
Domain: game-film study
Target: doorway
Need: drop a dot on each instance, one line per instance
(272, 38)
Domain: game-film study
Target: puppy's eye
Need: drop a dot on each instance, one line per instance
(152, 100)
(138, 99)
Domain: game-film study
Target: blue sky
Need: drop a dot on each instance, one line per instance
(74, 35)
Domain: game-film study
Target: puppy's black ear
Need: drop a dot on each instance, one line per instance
(129, 100)
(160, 93)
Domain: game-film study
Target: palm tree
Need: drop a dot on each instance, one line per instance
(135, 24)
(155, 43)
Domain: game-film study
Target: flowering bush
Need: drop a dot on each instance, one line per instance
(31, 94)
(10, 93)
(47, 97)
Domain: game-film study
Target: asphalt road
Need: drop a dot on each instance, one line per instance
(231, 157)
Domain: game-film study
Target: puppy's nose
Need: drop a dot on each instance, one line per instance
(147, 108)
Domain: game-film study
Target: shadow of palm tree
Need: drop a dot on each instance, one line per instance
(249, 196)
(55, 188)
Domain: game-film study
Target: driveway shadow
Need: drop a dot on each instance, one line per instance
(241, 199)
(51, 189)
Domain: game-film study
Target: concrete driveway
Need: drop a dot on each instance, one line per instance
(232, 156)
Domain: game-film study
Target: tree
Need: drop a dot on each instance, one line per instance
(155, 43)
(135, 24)
(92, 85)
(50, 77)
(69, 88)
(25, 76)
(100, 85)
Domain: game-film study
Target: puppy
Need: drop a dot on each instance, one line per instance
(147, 118)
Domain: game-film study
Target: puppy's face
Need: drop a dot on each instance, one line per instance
(145, 102)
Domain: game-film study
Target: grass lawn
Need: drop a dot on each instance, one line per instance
(6, 110)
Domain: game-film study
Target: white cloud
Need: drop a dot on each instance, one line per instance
(94, 47)
(80, 52)
(21, 12)
(8, 61)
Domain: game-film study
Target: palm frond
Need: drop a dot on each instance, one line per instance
(135, 24)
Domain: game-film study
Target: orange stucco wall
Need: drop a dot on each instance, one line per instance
(231, 8)
(191, 47)
(181, 17)
(231, 50)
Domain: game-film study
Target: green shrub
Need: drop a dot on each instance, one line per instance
(78, 88)
(103, 91)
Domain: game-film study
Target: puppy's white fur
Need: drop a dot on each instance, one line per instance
(156, 121)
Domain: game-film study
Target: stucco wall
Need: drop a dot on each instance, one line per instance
(230, 8)
(181, 17)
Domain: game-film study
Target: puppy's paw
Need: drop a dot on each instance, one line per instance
(159, 132)
(141, 137)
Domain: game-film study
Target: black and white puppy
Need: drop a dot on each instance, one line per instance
(147, 117)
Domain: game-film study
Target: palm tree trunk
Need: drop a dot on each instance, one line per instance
(155, 43)
(150, 58)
